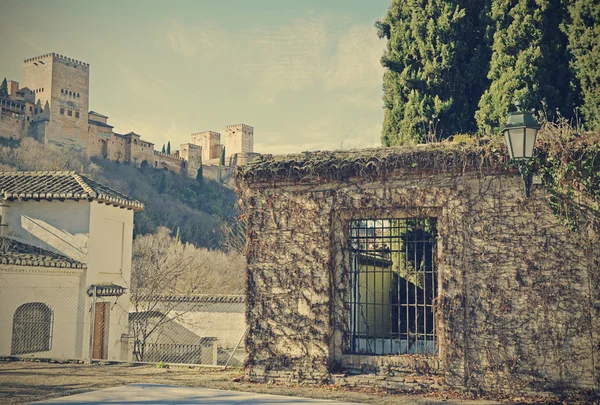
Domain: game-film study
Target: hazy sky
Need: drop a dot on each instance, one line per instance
(305, 74)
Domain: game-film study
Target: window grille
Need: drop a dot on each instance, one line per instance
(393, 286)
(32, 328)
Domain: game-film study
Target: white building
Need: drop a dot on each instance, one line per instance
(65, 265)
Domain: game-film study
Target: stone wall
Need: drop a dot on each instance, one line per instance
(518, 292)
(12, 128)
(170, 162)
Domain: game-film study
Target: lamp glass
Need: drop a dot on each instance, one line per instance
(516, 143)
(530, 135)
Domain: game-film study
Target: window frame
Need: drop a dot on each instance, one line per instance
(26, 343)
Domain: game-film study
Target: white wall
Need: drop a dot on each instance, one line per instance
(97, 234)
(61, 227)
(109, 262)
(60, 290)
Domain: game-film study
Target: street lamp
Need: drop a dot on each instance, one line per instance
(520, 133)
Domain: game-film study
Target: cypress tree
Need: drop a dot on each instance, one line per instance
(163, 149)
(169, 148)
(529, 64)
(162, 186)
(222, 160)
(4, 89)
(583, 31)
(200, 176)
(435, 61)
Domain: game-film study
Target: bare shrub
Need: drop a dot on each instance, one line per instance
(163, 267)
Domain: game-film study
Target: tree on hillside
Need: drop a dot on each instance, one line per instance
(529, 64)
(164, 150)
(4, 89)
(169, 148)
(222, 159)
(200, 176)
(162, 186)
(583, 31)
(436, 59)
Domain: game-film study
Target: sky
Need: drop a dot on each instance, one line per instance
(306, 74)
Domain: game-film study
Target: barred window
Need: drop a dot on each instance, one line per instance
(32, 328)
(393, 286)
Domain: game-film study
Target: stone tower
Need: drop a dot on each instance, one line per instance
(193, 155)
(239, 138)
(64, 84)
(210, 142)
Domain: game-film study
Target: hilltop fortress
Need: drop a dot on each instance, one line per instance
(52, 106)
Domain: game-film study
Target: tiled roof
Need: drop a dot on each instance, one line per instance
(62, 186)
(21, 254)
(99, 124)
(205, 298)
(97, 114)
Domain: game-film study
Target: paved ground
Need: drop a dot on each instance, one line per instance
(26, 382)
(157, 394)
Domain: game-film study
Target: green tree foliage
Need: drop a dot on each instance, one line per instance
(583, 31)
(200, 176)
(4, 89)
(169, 148)
(163, 185)
(435, 59)
(222, 160)
(164, 150)
(530, 62)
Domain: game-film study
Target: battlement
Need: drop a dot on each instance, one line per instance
(239, 126)
(57, 58)
(212, 133)
(167, 156)
(191, 146)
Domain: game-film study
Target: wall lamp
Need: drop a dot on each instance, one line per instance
(520, 133)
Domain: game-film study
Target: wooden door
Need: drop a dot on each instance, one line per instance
(100, 329)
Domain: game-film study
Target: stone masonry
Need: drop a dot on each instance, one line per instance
(518, 300)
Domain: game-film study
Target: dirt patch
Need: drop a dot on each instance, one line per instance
(24, 382)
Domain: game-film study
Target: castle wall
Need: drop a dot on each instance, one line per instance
(117, 147)
(99, 138)
(12, 128)
(38, 129)
(170, 162)
(138, 150)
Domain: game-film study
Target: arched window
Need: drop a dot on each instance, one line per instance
(32, 328)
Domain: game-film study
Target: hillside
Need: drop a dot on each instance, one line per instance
(204, 215)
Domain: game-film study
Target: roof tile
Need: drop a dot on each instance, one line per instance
(21, 254)
(60, 185)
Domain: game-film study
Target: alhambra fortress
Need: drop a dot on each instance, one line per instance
(52, 104)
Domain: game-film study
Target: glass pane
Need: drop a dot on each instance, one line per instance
(530, 134)
(517, 138)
